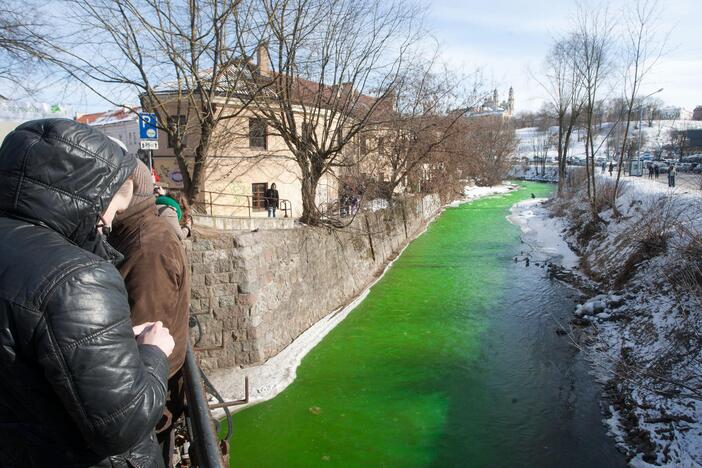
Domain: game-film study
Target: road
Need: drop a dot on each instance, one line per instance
(684, 180)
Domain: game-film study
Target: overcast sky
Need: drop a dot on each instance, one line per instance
(507, 37)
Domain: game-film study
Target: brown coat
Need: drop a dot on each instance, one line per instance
(155, 272)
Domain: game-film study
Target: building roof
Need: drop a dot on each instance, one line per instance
(120, 114)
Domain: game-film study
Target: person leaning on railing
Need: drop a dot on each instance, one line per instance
(82, 386)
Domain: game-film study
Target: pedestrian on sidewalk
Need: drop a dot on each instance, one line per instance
(271, 200)
(82, 386)
(604, 166)
(611, 168)
(656, 170)
(650, 171)
(671, 176)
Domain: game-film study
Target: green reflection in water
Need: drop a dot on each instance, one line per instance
(379, 390)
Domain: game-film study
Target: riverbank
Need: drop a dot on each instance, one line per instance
(273, 376)
(642, 332)
(534, 173)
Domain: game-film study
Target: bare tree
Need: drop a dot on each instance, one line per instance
(488, 145)
(642, 49)
(594, 41)
(563, 86)
(331, 68)
(22, 35)
(429, 106)
(179, 58)
(678, 141)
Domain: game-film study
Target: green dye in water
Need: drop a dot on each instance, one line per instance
(399, 382)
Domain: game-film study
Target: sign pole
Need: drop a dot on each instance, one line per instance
(151, 161)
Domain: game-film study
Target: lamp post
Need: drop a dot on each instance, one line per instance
(641, 107)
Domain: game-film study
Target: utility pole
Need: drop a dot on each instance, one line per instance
(641, 108)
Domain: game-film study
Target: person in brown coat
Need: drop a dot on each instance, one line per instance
(157, 279)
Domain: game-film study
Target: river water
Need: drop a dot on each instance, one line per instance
(452, 360)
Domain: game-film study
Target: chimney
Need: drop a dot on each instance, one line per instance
(262, 59)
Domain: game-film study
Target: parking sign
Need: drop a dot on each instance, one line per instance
(147, 126)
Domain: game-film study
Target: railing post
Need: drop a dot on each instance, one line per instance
(203, 436)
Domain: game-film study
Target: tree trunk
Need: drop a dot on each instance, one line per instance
(621, 160)
(561, 165)
(310, 180)
(198, 174)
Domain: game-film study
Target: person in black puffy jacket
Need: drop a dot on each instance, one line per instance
(79, 390)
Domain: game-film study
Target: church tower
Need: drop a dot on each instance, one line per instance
(510, 101)
(495, 98)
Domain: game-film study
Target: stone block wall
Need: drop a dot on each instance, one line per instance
(255, 292)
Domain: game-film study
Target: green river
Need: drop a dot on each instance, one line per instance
(451, 360)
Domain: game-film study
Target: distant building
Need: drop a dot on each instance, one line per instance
(120, 123)
(493, 107)
(672, 113)
(697, 113)
(694, 141)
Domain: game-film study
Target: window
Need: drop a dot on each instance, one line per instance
(258, 193)
(177, 124)
(257, 134)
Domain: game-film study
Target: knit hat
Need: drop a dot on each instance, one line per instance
(143, 187)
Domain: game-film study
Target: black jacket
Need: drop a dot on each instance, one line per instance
(271, 198)
(77, 390)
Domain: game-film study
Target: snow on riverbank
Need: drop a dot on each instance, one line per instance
(272, 377)
(644, 331)
(534, 173)
(541, 232)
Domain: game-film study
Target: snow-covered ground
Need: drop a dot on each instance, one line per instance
(644, 331)
(534, 173)
(534, 142)
(272, 377)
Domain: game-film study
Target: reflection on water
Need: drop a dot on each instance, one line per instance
(452, 360)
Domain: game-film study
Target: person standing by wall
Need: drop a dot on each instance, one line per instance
(83, 386)
(271, 199)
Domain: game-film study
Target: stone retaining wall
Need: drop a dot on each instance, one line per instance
(255, 292)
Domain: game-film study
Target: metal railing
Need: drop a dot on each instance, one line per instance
(213, 200)
(198, 420)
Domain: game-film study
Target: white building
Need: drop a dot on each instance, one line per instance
(118, 123)
(674, 113)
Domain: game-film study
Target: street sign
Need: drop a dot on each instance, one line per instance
(149, 144)
(147, 127)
